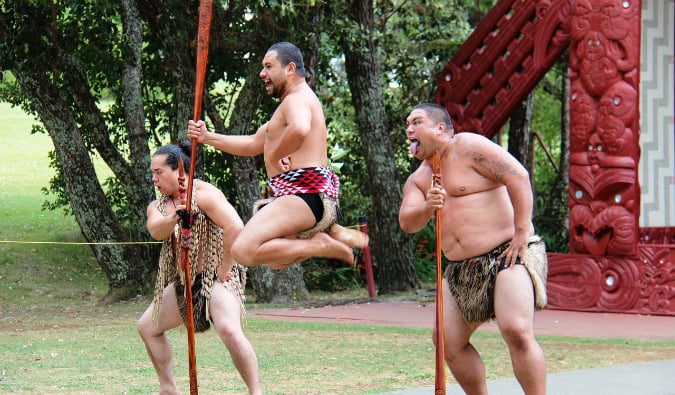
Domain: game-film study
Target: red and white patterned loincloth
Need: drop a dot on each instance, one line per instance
(306, 180)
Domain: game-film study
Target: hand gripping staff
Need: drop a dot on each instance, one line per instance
(205, 11)
(440, 344)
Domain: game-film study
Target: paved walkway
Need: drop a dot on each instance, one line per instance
(548, 322)
(650, 378)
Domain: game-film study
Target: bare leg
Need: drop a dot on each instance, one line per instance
(269, 238)
(226, 314)
(156, 341)
(514, 307)
(353, 238)
(464, 361)
(319, 245)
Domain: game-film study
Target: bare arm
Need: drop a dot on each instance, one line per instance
(250, 145)
(160, 226)
(418, 205)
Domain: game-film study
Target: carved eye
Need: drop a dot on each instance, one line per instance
(579, 194)
(617, 198)
(617, 101)
(609, 280)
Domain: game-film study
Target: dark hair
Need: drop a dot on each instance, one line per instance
(175, 151)
(436, 113)
(287, 53)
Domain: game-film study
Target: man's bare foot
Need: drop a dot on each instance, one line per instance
(334, 248)
(353, 238)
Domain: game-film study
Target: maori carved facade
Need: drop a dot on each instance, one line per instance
(613, 265)
(604, 195)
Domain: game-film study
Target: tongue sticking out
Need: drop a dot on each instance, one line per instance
(414, 146)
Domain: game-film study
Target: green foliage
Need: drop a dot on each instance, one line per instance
(414, 41)
(551, 198)
(425, 253)
(330, 276)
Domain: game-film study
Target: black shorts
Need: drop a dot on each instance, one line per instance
(315, 204)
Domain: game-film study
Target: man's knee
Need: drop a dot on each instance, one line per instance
(230, 335)
(243, 252)
(144, 330)
(516, 336)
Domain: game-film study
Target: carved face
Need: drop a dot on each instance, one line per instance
(583, 110)
(620, 101)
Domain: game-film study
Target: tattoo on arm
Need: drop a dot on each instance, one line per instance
(494, 165)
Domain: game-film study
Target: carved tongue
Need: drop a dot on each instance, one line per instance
(414, 145)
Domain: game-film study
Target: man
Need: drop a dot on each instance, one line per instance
(300, 220)
(497, 266)
(217, 288)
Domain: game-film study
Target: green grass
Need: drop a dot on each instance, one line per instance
(32, 274)
(57, 338)
(97, 350)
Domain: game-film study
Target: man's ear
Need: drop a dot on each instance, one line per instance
(291, 67)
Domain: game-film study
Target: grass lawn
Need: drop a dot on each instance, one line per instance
(57, 338)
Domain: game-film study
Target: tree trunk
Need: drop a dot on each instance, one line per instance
(141, 191)
(122, 263)
(519, 131)
(166, 21)
(392, 254)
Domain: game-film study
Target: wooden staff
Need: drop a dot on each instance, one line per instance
(204, 31)
(440, 343)
(185, 267)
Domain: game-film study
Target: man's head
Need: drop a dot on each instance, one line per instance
(288, 53)
(425, 127)
(164, 166)
(436, 113)
(282, 61)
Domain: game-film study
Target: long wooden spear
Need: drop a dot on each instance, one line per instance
(203, 34)
(185, 267)
(440, 343)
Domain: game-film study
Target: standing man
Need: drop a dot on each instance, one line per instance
(300, 221)
(497, 266)
(217, 280)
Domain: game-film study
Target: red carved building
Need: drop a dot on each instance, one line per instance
(614, 265)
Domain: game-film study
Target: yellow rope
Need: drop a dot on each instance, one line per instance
(101, 243)
(74, 243)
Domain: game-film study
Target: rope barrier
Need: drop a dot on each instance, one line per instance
(101, 243)
(77, 243)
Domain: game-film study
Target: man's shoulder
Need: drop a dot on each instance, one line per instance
(153, 205)
(305, 95)
(201, 185)
(422, 171)
(473, 140)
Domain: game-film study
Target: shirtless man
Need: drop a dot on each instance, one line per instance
(216, 279)
(290, 227)
(497, 265)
